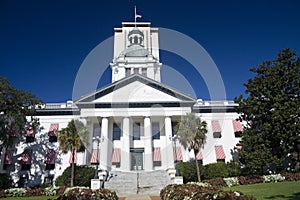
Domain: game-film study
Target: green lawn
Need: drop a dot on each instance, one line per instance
(280, 190)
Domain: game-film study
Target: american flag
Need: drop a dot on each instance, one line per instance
(138, 16)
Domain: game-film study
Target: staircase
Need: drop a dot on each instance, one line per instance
(138, 182)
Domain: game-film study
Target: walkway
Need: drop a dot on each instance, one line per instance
(140, 197)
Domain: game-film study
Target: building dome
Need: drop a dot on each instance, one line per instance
(135, 36)
(135, 50)
(135, 30)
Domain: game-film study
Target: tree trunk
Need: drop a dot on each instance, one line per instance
(197, 166)
(72, 171)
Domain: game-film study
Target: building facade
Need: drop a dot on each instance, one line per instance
(130, 121)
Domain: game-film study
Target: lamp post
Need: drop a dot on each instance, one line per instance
(174, 139)
(97, 157)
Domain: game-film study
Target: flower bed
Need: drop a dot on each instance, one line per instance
(212, 189)
(63, 193)
(78, 193)
(195, 191)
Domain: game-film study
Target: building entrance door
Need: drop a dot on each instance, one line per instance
(137, 159)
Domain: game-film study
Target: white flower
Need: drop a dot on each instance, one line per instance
(237, 194)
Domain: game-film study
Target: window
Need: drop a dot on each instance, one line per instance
(48, 180)
(155, 131)
(26, 159)
(50, 159)
(136, 131)
(144, 71)
(53, 138)
(116, 131)
(237, 128)
(156, 157)
(136, 70)
(23, 181)
(52, 134)
(136, 40)
(156, 163)
(127, 71)
(174, 124)
(8, 161)
(116, 158)
(97, 130)
(238, 134)
(217, 135)
(30, 134)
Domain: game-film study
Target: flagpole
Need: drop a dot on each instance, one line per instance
(134, 16)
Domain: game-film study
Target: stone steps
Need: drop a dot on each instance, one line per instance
(138, 182)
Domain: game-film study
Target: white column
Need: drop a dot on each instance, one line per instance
(167, 157)
(148, 144)
(125, 151)
(104, 144)
(88, 151)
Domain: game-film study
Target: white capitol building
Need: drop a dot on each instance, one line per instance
(130, 121)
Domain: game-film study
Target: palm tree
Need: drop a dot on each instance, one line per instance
(192, 135)
(73, 138)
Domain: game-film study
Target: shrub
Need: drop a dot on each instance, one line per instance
(202, 184)
(188, 171)
(234, 168)
(232, 181)
(273, 178)
(60, 190)
(2, 193)
(34, 192)
(83, 176)
(15, 192)
(245, 180)
(50, 191)
(292, 176)
(215, 170)
(195, 192)
(217, 182)
(78, 193)
(5, 181)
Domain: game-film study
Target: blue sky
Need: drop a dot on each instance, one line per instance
(43, 43)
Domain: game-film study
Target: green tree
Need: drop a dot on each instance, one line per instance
(271, 110)
(17, 109)
(73, 138)
(192, 135)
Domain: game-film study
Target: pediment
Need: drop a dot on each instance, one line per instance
(136, 92)
(135, 89)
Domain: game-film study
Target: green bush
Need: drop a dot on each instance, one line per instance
(188, 171)
(83, 176)
(234, 168)
(5, 181)
(215, 170)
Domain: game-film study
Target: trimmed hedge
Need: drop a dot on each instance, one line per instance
(5, 181)
(188, 171)
(211, 171)
(83, 176)
(215, 170)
